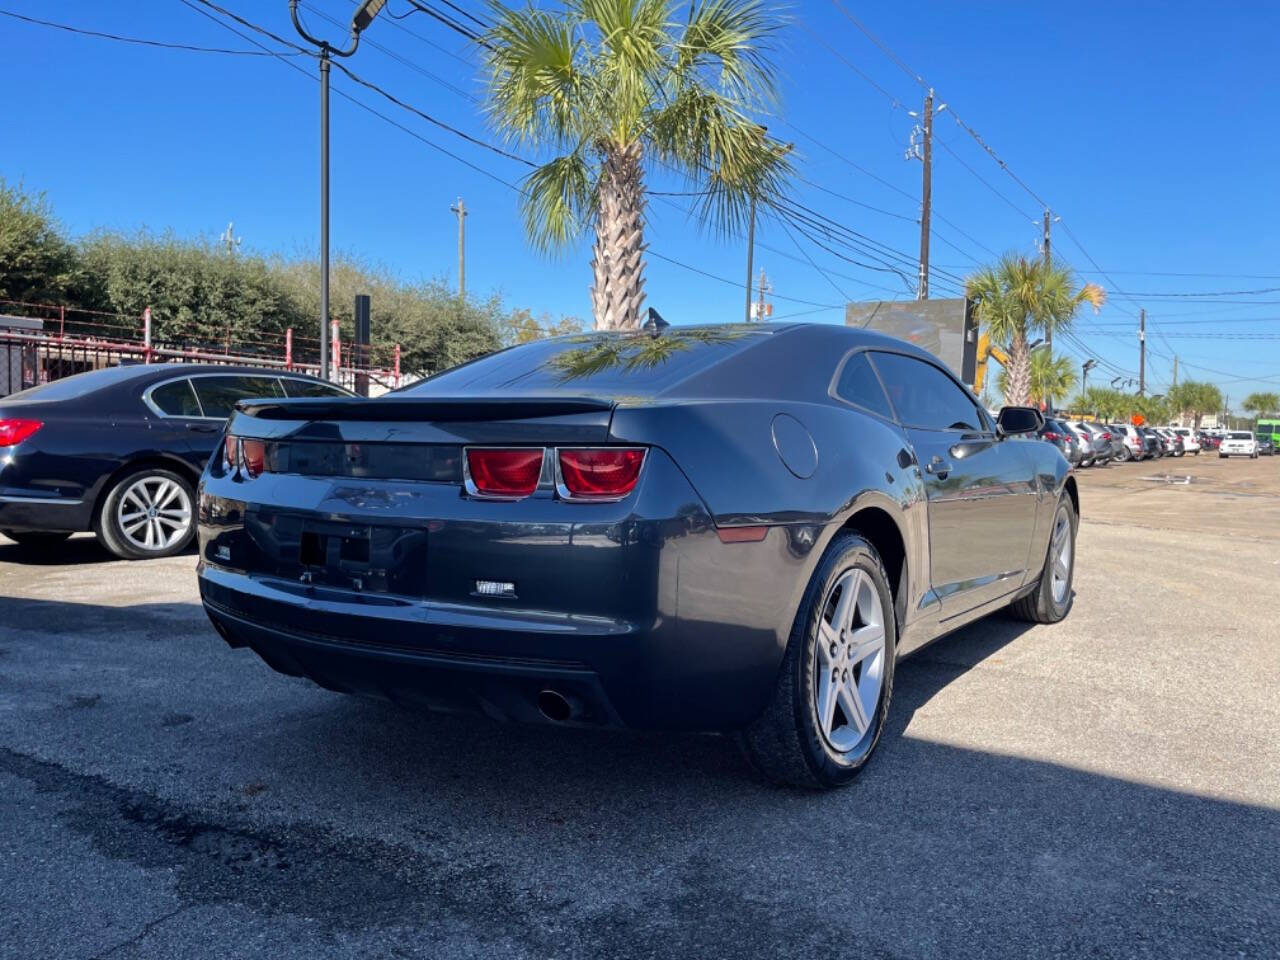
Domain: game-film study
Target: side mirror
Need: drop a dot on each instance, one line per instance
(1017, 420)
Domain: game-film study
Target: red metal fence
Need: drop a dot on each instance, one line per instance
(44, 342)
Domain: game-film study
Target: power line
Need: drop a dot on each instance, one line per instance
(137, 40)
(341, 93)
(396, 56)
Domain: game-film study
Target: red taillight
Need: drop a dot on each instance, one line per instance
(253, 454)
(15, 431)
(247, 456)
(1050, 435)
(602, 473)
(504, 473)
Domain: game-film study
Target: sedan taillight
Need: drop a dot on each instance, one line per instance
(599, 473)
(1050, 435)
(15, 431)
(503, 474)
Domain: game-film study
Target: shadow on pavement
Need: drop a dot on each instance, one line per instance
(74, 552)
(586, 843)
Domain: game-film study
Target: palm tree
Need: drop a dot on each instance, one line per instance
(1194, 398)
(1262, 404)
(1051, 376)
(1020, 297)
(613, 87)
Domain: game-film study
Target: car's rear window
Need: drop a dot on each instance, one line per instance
(631, 364)
(1241, 436)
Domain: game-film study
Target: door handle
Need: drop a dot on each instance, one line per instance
(202, 428)
(938, 467)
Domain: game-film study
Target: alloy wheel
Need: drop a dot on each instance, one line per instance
(1060, 553)
(850, 661)
(154, 513)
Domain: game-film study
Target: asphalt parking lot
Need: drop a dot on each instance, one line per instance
(1109, 786)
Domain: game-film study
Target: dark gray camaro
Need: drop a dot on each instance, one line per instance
(720, 528)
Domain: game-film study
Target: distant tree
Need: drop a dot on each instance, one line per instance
(434, 329)
(197, 294)
(615, 86)
(1262, 404)
(37, 262)
(1193, 398)
(1103, 402)
(521, 327)
(1051, 376)
(1020, 297)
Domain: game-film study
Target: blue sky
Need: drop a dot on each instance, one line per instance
(1146, 127)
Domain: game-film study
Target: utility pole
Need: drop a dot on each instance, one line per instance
(461, 210)
(1048, 261)
(229, 240)
(926, 195)
(761, 310)
(1175, 369)
(1142, 351)
(751, 249)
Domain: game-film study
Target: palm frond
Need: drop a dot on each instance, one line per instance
(557, 198)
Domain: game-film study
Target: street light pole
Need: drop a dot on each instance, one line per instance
(362, 18)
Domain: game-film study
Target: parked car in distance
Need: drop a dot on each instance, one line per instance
(1134, 443)
(1055, 433)
(1208, 441)
(119, 451)
(600, 530)
(1265, 447)
(1153, 443)
(1173, 442)
(1238, 443)
(1097, 450)
(1115, 438)
(1190, 442)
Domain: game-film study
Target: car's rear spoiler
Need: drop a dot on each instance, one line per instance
(449, 409)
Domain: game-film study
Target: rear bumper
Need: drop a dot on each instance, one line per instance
(635, 610)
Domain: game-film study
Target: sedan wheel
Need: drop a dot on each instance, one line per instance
(148, 514)
(833, 690)
(1051, 600)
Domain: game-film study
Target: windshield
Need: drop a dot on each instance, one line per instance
(1241, 436)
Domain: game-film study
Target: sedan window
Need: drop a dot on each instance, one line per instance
(924, 396)
(176, 399)
(859, 385)
(312, 388)
(218, 395)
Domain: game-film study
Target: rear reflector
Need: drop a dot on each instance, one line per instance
(600, 473)
(15, 431)
(505, 474)
(231, 453)
(741, 534)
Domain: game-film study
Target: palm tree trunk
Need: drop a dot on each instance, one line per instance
(1018, 383)
(617, 262)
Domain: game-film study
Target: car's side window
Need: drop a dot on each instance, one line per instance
(176, 399)
(923, 396)
(218, 395)
(858, 384)
(311, 388)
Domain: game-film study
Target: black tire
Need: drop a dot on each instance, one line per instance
(786, 743)
(36, 541)
(1039, 606)
(1222, 456)
(113, 536)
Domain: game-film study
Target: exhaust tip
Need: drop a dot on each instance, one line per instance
(555, 706)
